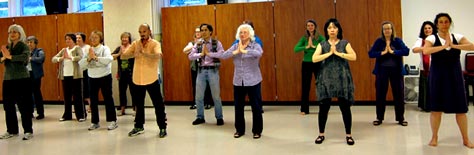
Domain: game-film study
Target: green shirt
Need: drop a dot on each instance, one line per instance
(15, 68)
(308, 53)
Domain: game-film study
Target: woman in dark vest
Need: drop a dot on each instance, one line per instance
(446, 83)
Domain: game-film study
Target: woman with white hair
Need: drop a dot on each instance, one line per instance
(16, 83)
(247, 79)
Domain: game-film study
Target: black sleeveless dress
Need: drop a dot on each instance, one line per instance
(335, 78)
(446, 81)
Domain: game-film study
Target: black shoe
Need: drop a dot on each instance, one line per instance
(198, 121)
(136, 131)
(192, 107)
(349, 140)
(39, 117)
(403, 123)
(208, 106)
(319, 140)
(377, 122)
(163, 133)
(220, 121)
(238, 135)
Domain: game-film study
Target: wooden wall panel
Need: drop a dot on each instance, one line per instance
(4, 24)
(289, 22)
(178, 26)
(228, 19)
(320, 11)
(353, 17)
(79, 22)
(47, 40)
(287, 18)
(259, 14)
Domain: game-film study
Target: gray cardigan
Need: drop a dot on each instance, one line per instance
(76, 56)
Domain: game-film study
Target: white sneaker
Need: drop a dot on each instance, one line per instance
(94, 126)
(28, 136)
(112, 125)
(8, 135)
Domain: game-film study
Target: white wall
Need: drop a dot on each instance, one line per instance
(415, 12)
(124, 16)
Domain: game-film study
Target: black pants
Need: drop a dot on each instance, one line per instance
(105, 85)
(423, 97)
(255, 97)
(125, 81)
(18, 92)
(207, 94)
(154, 91)
(72, 91)
(37, 96)
(345, 108)
(383, 77)
(308, 69)
(85, 84)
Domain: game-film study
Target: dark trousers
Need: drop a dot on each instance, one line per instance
(423, 93)
(207, 94)
(105, 85)
(255, 98)
(18, 92)
(72, 90)
(308, 69)
(154, 91)
(37, 96)
(86, 85)
(125, 81)
(382, 78)
(345, 108)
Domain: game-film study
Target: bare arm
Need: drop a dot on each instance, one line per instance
(317, 56)
(351, 55)
(464, 44)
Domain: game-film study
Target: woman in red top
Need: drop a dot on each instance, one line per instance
(427, 29)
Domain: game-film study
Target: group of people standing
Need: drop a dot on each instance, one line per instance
(441, 85)
(83, 70)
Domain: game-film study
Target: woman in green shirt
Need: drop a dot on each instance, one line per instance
(308, 44)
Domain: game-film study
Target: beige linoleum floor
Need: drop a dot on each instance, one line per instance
(285, 132)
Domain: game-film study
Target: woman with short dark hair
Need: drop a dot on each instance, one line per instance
(334, 79)
(71, 76)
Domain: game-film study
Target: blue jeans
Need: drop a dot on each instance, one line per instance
(208, 77)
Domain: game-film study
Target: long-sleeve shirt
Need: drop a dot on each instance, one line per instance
(209, 59)
(76, 55)
(246, 66)
(37, 60)
(147, 58)
(15, 68)
(308, 53)
(100, 67)
(399, 49)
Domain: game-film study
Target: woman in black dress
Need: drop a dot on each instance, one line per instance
(334, 79)
(446, 83)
